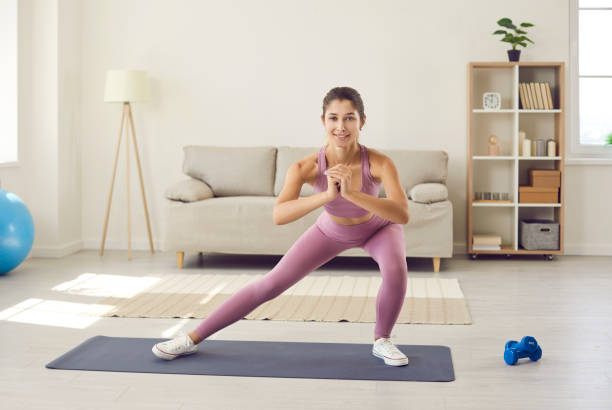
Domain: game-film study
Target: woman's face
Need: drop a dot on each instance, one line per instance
(342, 123)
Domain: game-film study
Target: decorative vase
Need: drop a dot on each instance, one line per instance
(514, 55)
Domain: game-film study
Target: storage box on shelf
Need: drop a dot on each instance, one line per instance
(539, 234)
(538, 195)
(545, 178)
(527, 123)
(544, 187)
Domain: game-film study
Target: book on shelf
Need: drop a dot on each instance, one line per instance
(549, 97)
(535, 96)
(536, 88)
(522, 96)
(544, 98)
(489, 240)
(486, 247)
(530, 96)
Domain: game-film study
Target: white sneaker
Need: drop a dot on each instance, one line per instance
(181, 345)
(384, 349)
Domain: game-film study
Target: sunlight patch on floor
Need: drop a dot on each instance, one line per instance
(119, 286)
(214, 292)
(172, 331)
(55, 313)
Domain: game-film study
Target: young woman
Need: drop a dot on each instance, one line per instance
(346, 177)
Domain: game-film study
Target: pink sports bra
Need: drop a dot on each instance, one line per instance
(341, 207)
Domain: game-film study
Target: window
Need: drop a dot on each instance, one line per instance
(8, 81)
(591, 78)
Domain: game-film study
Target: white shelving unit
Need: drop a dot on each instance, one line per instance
(508, 171)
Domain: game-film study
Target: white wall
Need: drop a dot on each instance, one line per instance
(8, 87)
(47, 177)
(253, 73)
(69, 136)
(35, 179)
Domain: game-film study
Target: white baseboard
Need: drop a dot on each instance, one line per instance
(460, 248)
(56, 251)
(121, 245)
(588, 249)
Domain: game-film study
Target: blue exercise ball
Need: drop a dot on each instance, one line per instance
(16, 231)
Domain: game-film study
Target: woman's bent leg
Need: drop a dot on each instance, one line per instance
(387, 247)
(309, 252)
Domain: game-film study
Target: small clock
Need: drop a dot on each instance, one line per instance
(491, 101)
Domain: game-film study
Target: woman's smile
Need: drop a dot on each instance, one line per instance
(342, 137)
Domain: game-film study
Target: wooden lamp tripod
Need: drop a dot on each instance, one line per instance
(127, 86)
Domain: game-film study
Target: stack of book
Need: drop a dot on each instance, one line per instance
(486, 242)
(535, 96)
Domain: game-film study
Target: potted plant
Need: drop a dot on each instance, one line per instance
(609, 139)
(518, 38)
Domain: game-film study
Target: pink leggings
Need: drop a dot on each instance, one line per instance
(381, 238)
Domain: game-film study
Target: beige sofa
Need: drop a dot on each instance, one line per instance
(226, 205)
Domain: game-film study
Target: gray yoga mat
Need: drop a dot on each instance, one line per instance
(260, 359)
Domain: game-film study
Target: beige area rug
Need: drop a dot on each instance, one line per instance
(314, 298)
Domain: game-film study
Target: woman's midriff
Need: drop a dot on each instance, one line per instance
(350, 221)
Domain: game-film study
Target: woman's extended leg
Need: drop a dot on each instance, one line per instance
(310, 251)
(387, 247)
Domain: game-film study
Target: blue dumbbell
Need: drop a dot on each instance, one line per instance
(527, 348)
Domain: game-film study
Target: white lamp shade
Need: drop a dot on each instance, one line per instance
(126, 86)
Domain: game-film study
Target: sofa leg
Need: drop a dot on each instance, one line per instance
(180, 256)
(436, 265)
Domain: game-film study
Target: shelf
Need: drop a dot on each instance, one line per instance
(506, 157)
(511, 204)
(507, 172)
(493, 204)
(527, 205)
(540, 158)
(509, 250)
(501, 111)
(492, 158)
(521, 111)
(511, 110)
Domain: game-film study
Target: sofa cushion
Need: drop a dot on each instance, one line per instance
(284, 158)
(189, 190)
(428, 193)
(418, 167)
(232, 171)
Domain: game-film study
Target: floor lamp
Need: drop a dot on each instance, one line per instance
(127, 86)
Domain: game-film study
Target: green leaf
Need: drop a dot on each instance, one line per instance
(609, 139)
(526, 25)
(521, 40)
(505, 22)
(521, 32)
(501, 32)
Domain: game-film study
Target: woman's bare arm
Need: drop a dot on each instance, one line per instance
(289, 206)
(395, 206)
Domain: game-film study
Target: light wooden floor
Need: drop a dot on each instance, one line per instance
(564, 303)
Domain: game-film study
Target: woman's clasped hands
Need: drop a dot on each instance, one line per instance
(339, 181)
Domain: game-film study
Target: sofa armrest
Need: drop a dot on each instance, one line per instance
(189, 190)
(428, 193)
